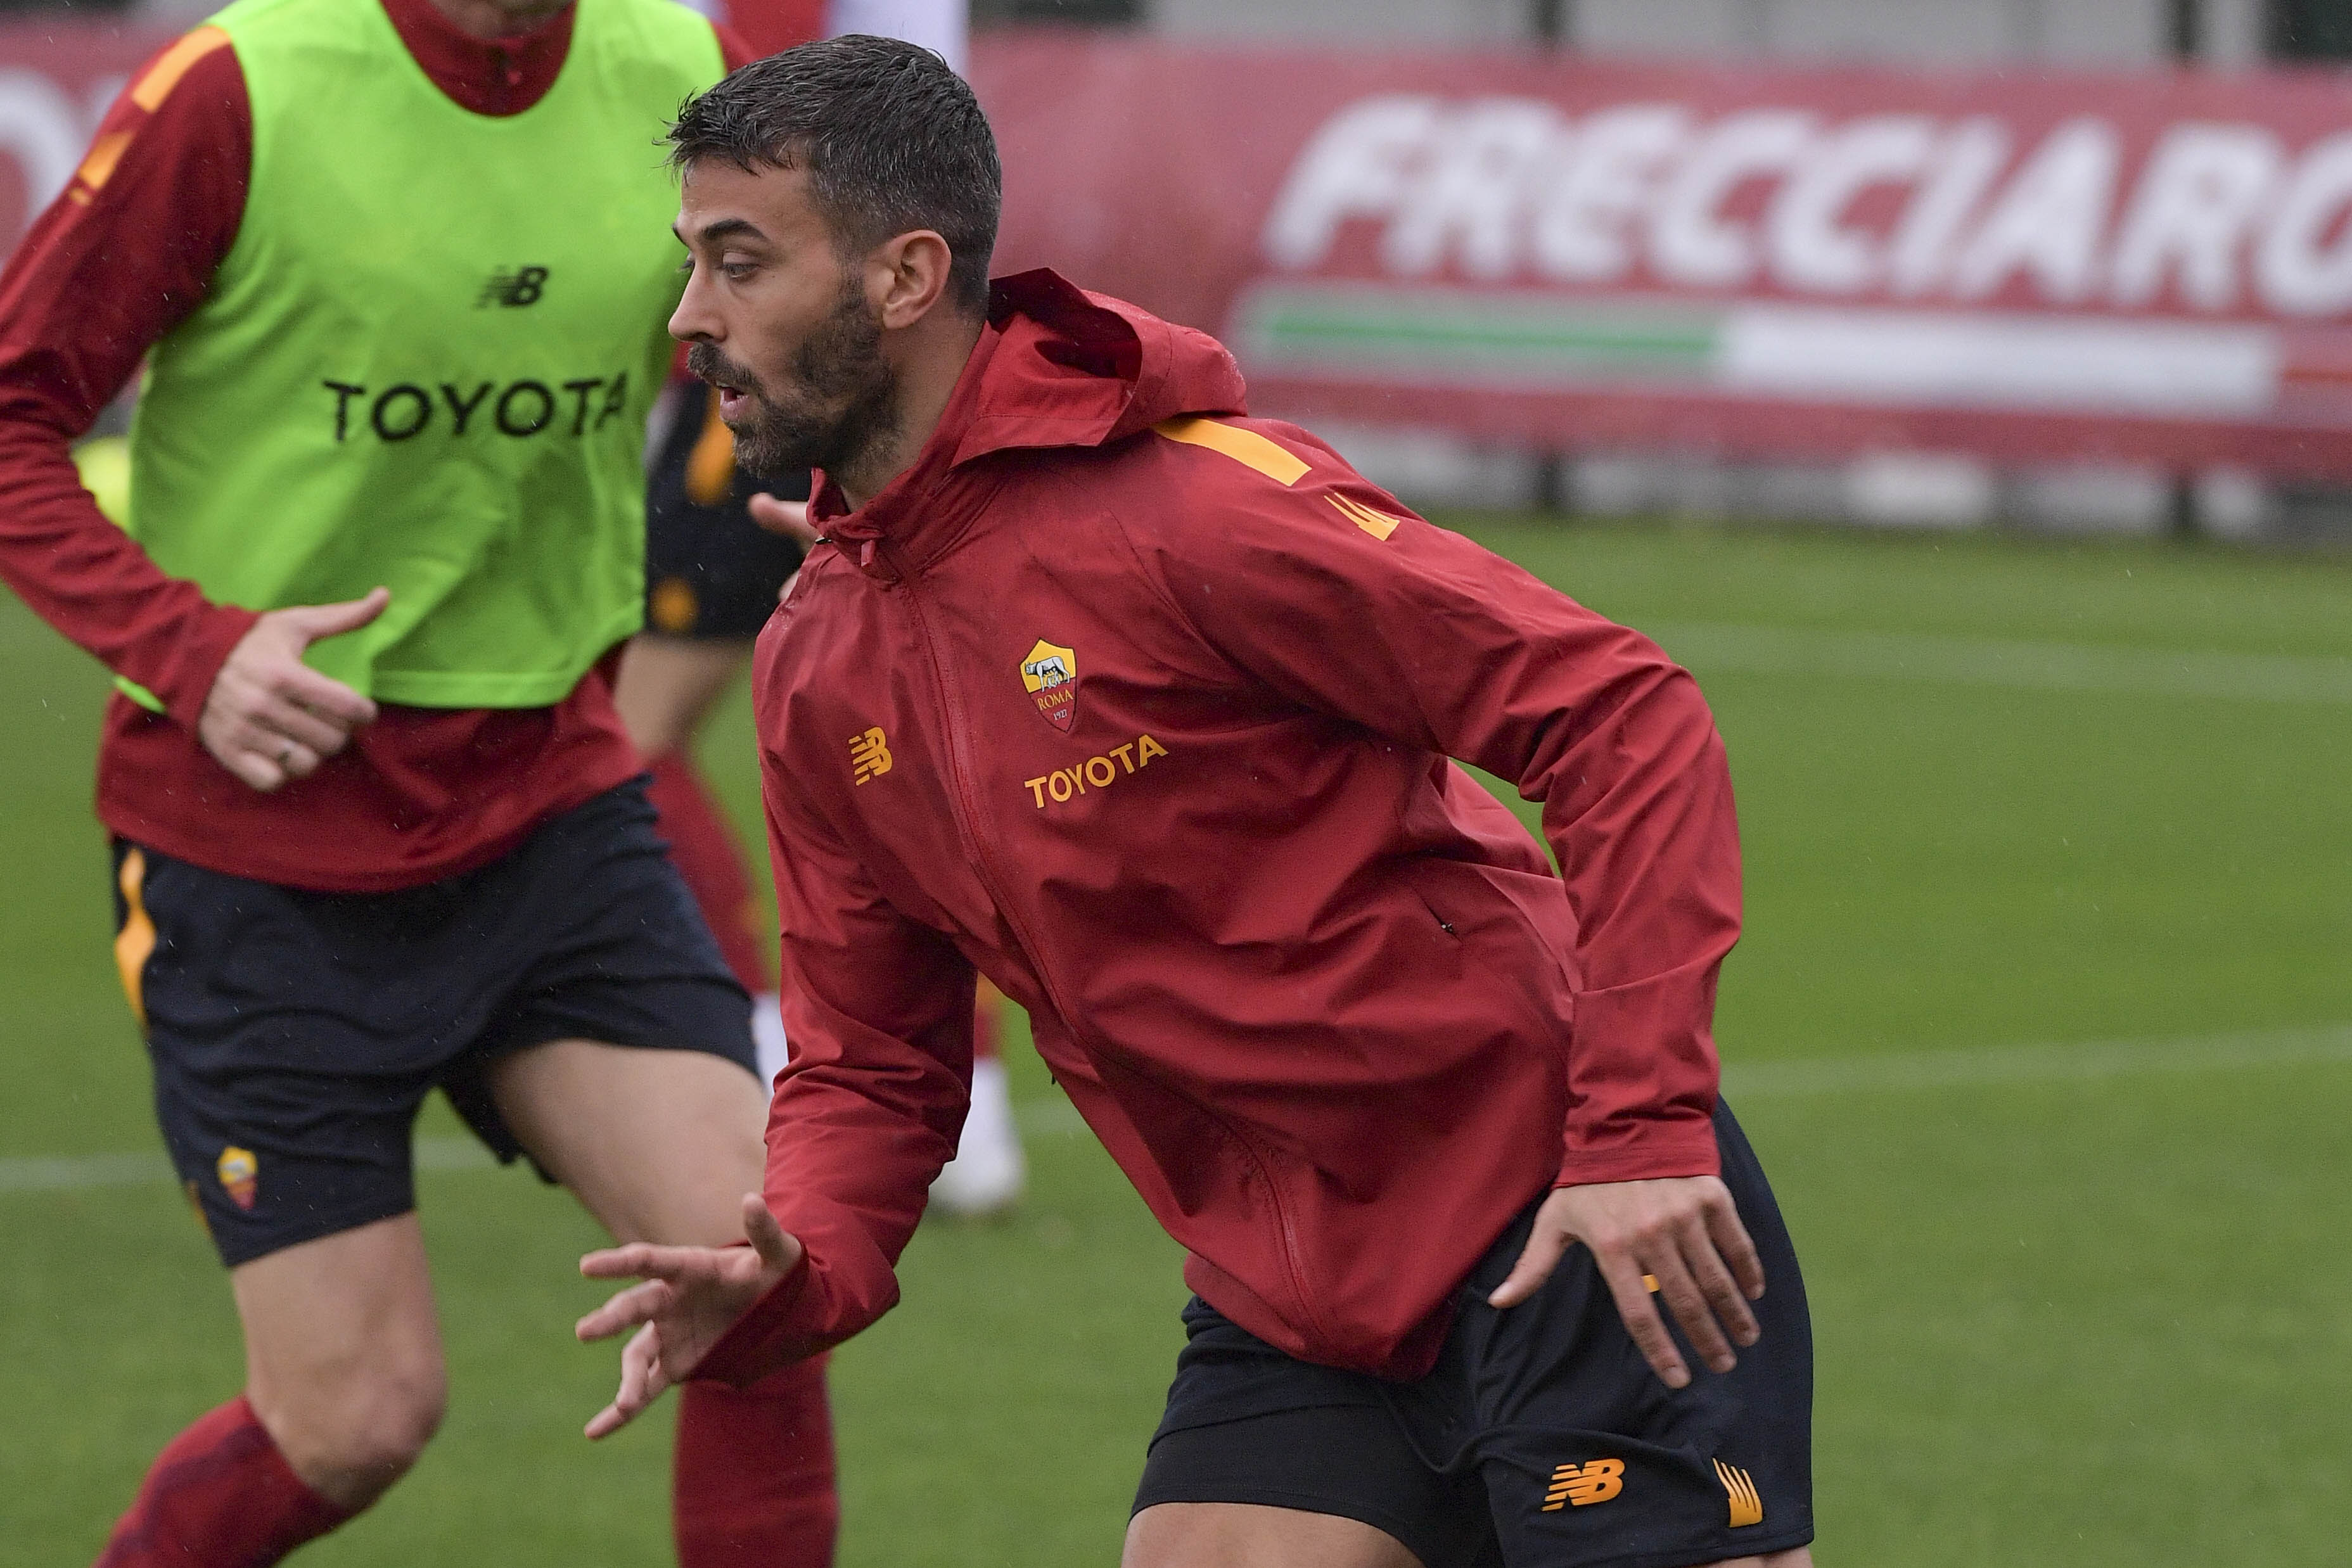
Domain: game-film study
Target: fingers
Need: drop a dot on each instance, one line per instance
(269, 718)
(778, 1250)
(1738, 1250)
(1641, 1317)
(642, 1382)
(1546, 1244)
(1680, 1237)
(789, 518)
(644, 1260)
(290, 723)
(312, 622)
(278, 741)
(253, 769)
(323, 696)
(1721, 1300)
(1688, 1302)
(625, 1309)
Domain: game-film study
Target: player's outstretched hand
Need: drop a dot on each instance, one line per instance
(691, 1295)
(1683, 1232)
(270, 716)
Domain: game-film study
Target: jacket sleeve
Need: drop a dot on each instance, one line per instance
(120, 257)
(879, 1011)
(1331, 594)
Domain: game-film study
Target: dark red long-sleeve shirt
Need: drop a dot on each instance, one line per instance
(116, 262)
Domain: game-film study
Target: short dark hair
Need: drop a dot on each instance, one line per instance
(891, 138)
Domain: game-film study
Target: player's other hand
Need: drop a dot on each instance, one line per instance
(1684, 1233)
(691, 1295)
(270, 716)
(789, 518)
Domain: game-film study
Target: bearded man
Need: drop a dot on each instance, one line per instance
(1142, 708)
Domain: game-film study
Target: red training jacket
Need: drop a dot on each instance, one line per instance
(1142, 709)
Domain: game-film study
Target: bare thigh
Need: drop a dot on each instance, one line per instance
(1250, 1535)
(660, 1145)
(342, 1355)
(667, 685)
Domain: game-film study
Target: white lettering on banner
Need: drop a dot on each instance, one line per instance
(1966, 164)
(2049, 220)
(1471, 194)
(1902, 205)
(2196, 208)
(2299, 271)
(1812, 248)
(1601, 184)
(1354, 168)
(1691, 242)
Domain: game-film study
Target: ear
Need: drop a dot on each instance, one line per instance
(906, 276)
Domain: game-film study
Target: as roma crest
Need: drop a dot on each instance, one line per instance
(240, 1175)
(1051, 674)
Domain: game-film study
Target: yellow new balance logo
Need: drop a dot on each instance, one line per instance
(1579, 1485)
(1372, 520)
(869, 756)
(1746, 1507)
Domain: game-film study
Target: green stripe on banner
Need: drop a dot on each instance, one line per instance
(1295, 326)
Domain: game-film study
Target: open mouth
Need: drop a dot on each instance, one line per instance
(734, 390)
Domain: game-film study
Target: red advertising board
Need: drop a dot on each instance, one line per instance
(1575, 254)
(1567, 254)
(57, 78)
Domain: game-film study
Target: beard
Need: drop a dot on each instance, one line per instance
(841, 405)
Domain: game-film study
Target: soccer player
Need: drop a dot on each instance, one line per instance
(1142, 707)
(397, 272)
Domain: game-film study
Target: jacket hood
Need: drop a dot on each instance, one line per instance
(1056, 367)
(1076, 369)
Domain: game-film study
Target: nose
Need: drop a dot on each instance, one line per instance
(694, 321)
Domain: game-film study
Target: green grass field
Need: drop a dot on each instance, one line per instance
(2043, 1025)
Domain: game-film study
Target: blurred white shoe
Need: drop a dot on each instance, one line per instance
(987, 1175)
(768, 1038)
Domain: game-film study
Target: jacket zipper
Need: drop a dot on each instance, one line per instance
(959, 773)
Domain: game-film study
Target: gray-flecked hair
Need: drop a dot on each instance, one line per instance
(892, 141)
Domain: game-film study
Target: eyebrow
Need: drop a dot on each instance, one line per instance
(725, 228)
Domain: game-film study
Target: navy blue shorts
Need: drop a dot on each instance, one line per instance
(710, 571)
(1542, 1439)
(294, 1035)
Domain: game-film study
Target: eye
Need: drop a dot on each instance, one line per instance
(737, 271)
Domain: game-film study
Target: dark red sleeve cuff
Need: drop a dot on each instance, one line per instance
(197, 662)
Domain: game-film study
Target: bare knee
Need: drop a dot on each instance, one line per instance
(350, 1435)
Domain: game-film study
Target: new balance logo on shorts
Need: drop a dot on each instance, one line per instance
(520, 286)
(1581, 1486)
(1746, 1506)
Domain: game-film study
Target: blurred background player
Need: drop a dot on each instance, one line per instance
(400, 271)
(717, 552)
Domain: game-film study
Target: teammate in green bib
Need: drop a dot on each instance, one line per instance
(435, 385)
(400, 272)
